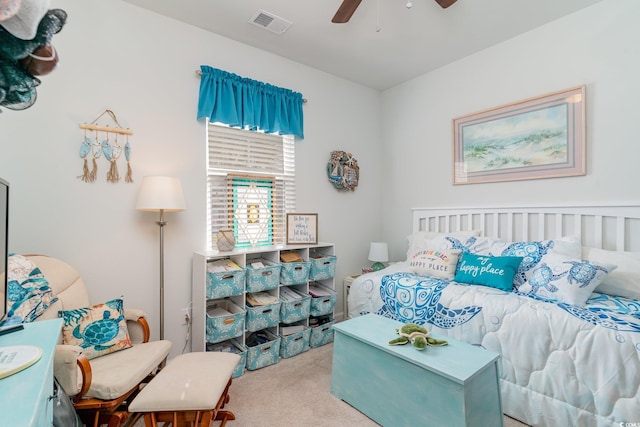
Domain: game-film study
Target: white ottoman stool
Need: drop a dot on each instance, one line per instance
(190, 390)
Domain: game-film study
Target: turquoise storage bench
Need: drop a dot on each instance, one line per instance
(232, 346)
(294, 344)
(225, 320)
(321, 334)
(456, 385)
(294, 273)
(263, 279)
(322, 267)
(262, 317)
(295, 310)
(265, 354)
(223, 284)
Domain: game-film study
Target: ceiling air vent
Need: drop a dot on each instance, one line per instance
(270, 22)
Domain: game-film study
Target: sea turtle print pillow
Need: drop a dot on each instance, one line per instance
(99, 330)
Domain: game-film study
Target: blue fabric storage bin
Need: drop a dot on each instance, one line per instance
(224, 325)
(323, 267)
(294, 273)
(232, 346)
(263, 279)
(294, 344)
(323, 304)
(266, 354)
(262, 317)
(223, 284)
(292, 311)
(321, 334)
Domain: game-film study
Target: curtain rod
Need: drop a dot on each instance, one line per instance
(199, 74)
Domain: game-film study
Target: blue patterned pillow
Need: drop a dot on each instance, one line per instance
(565, 279)
(99, 330)
(494, 271)
(29, 294)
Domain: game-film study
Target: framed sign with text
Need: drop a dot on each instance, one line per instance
(302, 228)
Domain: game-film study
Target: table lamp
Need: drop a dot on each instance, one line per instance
(378, 253)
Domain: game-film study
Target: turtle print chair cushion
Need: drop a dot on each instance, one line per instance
(565, 279)
(494, 271)
(29, 292)
(99, 330)
(435, 263)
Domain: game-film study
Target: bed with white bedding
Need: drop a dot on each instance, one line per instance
(568, 323)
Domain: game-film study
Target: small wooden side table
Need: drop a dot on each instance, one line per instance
(345, 290)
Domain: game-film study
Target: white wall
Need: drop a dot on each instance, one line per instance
(142, 66)
(597, 47)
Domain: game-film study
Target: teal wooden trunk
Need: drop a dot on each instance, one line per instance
(455, 385)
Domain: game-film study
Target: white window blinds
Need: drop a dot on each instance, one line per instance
(251, 185)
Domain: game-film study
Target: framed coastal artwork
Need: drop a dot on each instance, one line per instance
(541, 137)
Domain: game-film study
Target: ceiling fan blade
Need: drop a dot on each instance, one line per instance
(445, 3)
(345, 11)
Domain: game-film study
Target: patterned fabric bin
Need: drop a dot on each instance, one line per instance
(266, 354)
(293, 311)
(294, 273)
(323, 267)
(262, 317)
(324, 304)
(263, 279)
(232, 346)
(225, 283)
(321, 334)
(225, 320)
(294, 344)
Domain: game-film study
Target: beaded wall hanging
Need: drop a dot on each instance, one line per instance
(102, 140)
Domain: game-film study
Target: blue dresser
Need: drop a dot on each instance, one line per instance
(25, 397)
(454, 385)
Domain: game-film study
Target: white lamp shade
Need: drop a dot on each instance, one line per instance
(379, 252)
(160, 193)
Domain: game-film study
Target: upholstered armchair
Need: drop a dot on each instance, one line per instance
(101, 387)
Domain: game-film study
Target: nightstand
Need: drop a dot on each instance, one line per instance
(346, 285)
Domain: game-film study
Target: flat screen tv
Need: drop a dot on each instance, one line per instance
(4, 246)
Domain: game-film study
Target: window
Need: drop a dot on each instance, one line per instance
(251, 185)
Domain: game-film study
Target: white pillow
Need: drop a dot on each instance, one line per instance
(625, 280)
(435, 263)
(564, 279)
(420, 240)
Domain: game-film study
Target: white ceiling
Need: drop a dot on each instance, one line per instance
(383, 44)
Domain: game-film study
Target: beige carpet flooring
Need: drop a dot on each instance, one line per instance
(295, 392)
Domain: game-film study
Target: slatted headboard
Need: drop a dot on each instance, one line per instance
(612, 227)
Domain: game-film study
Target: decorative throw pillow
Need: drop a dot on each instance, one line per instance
(99, 330)
(421, 240)
(29, 294)
(565, 279)
(435, 263)
(624, 281)
(493, 271)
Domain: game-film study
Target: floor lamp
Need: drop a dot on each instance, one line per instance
(161, 194)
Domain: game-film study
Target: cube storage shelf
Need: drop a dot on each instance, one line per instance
(214, 330)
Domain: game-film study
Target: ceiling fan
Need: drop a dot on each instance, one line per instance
(348, 7)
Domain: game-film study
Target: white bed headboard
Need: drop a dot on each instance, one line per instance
(612, 227)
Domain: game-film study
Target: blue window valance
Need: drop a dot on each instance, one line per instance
(241, 102)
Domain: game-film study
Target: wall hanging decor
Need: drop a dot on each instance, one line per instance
(102, 140)
(541, 137)
(343, 171)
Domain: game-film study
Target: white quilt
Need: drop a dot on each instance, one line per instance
(561, 365)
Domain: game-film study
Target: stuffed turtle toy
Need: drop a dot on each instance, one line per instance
(417, 335)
